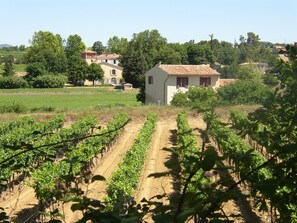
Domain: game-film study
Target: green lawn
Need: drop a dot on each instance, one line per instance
(16, 68)
(81, 98)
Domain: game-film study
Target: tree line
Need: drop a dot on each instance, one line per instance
(50, 55)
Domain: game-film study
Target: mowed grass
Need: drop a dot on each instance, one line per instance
(16, 68)
(69, 99)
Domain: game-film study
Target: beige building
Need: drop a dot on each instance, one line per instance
(163, 81)
(110, 65)
(112, 73)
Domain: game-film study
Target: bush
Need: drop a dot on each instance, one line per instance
(11, 82)
(244, 92)
(14, 108)
(270, 80)
(201, 98)
(49, 81)
(180, 100)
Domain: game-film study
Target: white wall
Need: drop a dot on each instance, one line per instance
(193, 81)
(155, 92)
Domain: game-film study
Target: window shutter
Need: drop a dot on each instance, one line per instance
(187, 82)
(209, 81)
(177, 83)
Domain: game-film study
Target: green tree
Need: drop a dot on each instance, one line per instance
(135, 67)
(98, 47)
(77, 71)
(117, 45)
(74, 46)
(8, 66)
(47, 50)
(95, 72)
(248, 72)
(142, 54)
(244, 92)
(200, 53)
(77, 67)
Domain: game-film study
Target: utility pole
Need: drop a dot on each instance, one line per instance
(211, 38)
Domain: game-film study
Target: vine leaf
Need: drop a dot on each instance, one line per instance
(209, 159)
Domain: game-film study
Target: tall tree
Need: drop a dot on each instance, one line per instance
(74, 46)
(77, 71)
(8, 66)
(98, 47)
(46, 50)
(142, 54)
(77, 67)
(117, 45)
(95, 72)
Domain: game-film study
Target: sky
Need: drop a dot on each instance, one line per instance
(176, 20)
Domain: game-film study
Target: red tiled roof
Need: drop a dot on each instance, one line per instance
(224, 82)
(108, 56)
(89, 51)
(189, 70)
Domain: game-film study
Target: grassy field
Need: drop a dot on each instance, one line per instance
(69, 99)
(16, 68)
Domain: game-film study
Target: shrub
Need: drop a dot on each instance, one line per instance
(11, 82)
(201, 98)
(270, 80)
(244, 92)
(14, 108)
(49, 81)
(180, 100)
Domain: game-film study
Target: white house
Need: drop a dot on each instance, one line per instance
(163, 81)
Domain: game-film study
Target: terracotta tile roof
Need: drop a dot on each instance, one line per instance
(108, 56)
(224, 82)
(89, 51)
(189, 70)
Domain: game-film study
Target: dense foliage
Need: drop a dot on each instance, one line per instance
(200, 98)
(125, 179)
(244, 92)
(11, 82)
(49, 81)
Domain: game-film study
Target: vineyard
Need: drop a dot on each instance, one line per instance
(184, 167)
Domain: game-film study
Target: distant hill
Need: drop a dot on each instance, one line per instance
(5, 46)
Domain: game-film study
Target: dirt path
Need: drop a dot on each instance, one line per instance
(150, 186)
(19, 200)
(107, 166)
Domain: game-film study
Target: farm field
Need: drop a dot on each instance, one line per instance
(22, 203)
(65, 99)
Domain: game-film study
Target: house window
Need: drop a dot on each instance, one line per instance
(114, 61)
(150, 80)
(113, 72)
(106, 61)
(182, 82)
(113, 80)
(205, 81)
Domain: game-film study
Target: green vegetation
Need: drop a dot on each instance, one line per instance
(68, 98)
(124, 180)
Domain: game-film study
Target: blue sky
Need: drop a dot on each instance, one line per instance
(176, 20)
